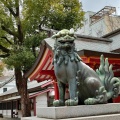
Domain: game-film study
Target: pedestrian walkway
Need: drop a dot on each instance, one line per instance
(9, 118)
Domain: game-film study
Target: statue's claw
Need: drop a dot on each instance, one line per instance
(71, 102)
(57, 103)
(115, 83)
(116, 91)
(90, 101)
(101, 97)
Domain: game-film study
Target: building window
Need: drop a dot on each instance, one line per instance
(8, 105)
(4, 89)
(19, 105)
(4, 106)
(1, 104)
(14, 104)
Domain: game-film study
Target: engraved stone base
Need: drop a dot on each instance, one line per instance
(78, 111)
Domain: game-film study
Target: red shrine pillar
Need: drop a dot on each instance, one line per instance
(56, 97)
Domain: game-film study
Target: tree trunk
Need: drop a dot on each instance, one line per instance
(21, 83)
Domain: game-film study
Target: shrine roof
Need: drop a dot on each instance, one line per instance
(86, 46)
(31, 95)
(31, 85)
(91, 53)
(86, 43)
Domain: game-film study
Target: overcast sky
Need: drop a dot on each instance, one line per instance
(96, 5)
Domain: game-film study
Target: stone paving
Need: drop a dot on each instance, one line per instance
(9, 118)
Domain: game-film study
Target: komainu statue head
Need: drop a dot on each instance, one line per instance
(65, 35)
(64, 47)
(65, 39)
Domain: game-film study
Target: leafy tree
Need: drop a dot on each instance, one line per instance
(21, 22)
(66, 14)
(1, 68)
(57, 14)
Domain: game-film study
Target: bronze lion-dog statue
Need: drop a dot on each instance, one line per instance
(85, 85)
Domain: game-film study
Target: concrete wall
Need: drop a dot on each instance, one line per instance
(112, 23)
(85, 30)
(0, 111)
(116, 42)
(96, 28)
(6, 113)
(41, 101)
(100, 27)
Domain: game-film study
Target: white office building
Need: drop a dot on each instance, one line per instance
(98, 24)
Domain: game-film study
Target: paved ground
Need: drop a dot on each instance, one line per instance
(9, 118)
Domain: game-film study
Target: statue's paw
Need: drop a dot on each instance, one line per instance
(90, 101)
(115, 92)
(101, 95)
(57, 103)
(115, 86)
(71, 102)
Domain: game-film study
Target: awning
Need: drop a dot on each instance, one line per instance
(31, 95)
(42, 92)
(11, 98)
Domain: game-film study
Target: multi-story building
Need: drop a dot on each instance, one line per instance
(6, 83)
(100, 23)
(7, 80)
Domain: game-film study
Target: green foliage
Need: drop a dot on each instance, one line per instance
(34, 40)
(1, 68)
(66, 14)
(57, 14)
(35, 12)
(20, 20)
(21, 58)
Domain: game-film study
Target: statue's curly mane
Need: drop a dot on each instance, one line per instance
(64, 47)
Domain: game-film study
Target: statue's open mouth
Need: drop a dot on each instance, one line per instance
(66, 41)
(66, 44)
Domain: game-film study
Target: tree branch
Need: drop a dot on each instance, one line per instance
(33, 50)
(9, 8)
(17, 7)
(4, 55)
(8, 31)
(11, 11)
(41, 23)
(20, 32)
(7, 40)
(4, 49)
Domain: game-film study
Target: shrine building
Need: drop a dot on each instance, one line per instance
(89, 49)
(46, 90)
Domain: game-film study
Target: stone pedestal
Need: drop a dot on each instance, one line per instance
(78, 111)
(82, 112)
